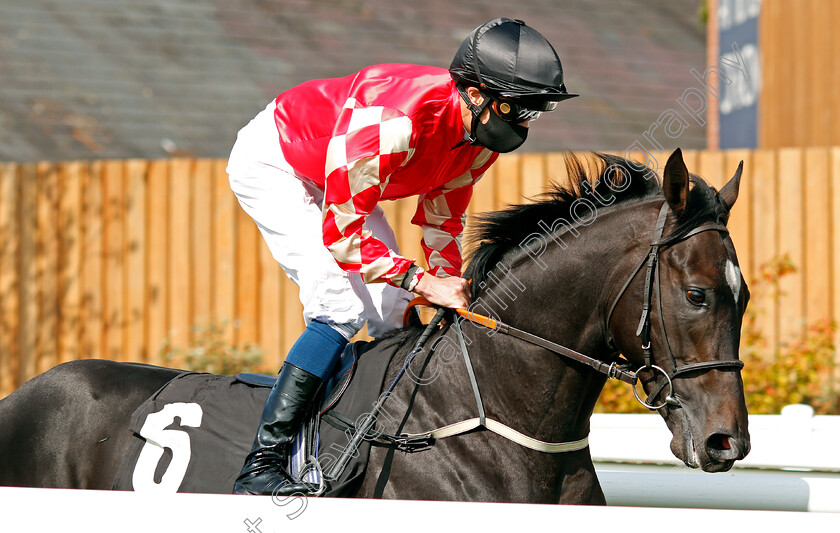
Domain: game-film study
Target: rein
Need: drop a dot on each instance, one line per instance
(612, 370)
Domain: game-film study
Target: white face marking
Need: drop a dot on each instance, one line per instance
(733, 277)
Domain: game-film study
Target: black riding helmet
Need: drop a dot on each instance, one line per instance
(508, 60)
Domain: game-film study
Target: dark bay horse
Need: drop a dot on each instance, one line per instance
(616, 263)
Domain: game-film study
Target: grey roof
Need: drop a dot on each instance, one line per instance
(83, 79)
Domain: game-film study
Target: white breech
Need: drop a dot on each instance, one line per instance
(287, 211)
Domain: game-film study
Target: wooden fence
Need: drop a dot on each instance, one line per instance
(111, 259)
(800, 71)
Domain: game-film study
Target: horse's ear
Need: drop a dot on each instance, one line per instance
(675, 182)
(729, 193)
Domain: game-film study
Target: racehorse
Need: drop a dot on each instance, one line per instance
(619, 264)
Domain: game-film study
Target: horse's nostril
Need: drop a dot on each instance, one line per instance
(722, 446)
(718, 441)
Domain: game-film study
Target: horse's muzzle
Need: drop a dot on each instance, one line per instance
(723, 450)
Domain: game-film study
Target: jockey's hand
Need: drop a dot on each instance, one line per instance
(452, 292)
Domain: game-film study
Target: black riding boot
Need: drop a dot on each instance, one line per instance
(266, 467)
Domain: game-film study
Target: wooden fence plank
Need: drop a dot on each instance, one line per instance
(9, 287)
(157, 247)
(660, 159)
(710, 167)
(201, 244)
(765, 237)
(483, 200)
(47, 266)
(114, 253)
(795, 61)
(136, 250)
(248, 241)
(817, 242)
(292, 319)
(180, 267)
(70, 257)
(270, 311)
(27, 274)
(533, 169)
(834, 53)
(223, 243)
(691, 158)
(485, 190)
(293, 323)
(508, 179)
(740, 219)
(555, 167)
(773, 122)
(791, 237)
(91, 277)
(800, 60)
(818, 100)
(834, 232)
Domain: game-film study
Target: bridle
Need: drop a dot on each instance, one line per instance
(651, 261)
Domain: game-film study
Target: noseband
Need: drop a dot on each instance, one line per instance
(651, 261)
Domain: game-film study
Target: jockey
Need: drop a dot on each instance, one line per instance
(311, 168)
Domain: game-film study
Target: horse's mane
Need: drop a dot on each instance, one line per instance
(501, 232)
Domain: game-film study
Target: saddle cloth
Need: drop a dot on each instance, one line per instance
(194, 433)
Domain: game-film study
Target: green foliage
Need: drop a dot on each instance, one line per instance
(799, 370)
(211, 352)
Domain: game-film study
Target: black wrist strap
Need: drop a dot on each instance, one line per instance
(409, 277)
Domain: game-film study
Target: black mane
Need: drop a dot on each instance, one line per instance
(499, 232)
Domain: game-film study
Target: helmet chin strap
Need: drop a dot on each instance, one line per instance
(496, 134)
(476, 111)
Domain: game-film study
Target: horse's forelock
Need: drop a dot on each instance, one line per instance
(703, 206)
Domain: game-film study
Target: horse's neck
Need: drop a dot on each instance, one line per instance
(564, 292)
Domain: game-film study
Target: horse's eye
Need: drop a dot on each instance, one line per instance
(695, 296)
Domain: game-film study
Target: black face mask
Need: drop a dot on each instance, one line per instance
(498, 134)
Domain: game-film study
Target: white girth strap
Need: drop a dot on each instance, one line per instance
(506, 432)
